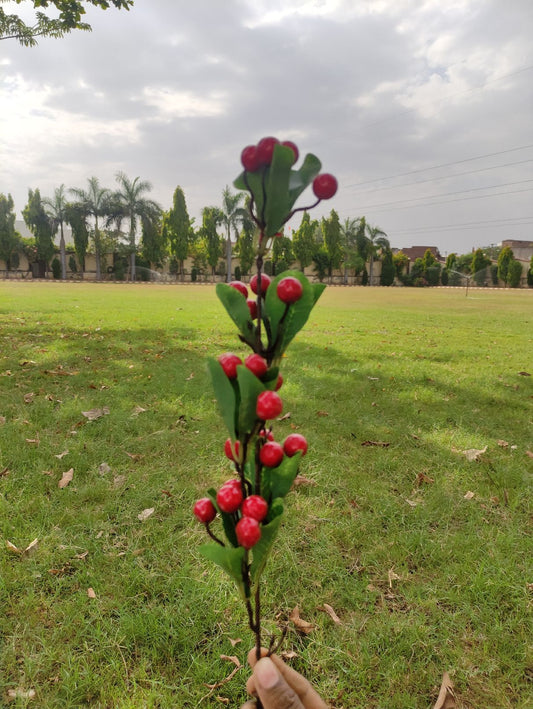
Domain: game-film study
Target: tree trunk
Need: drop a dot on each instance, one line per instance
(63, 254)
(370, 270)
(228, 258)
(132, 266)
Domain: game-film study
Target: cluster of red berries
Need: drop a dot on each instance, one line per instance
(289, 290)
(253, 509)
(256, 157)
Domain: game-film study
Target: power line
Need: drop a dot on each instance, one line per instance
(435, 167)
(512, 221)
(448, 194)
(446, 177)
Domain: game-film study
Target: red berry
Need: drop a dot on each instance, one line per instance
(229, 362)
(266, 434)
(292, 146)
(265, 282)
(235, 482)
(269, 405)
(255, 507)
(279, 382)
(293, 443)
(289, 290)
(271, 454)
(232, 450)
(204, 510)
(249, 158)
(256, 364)
(252, 307)
(248, 532)
(325, 186)
(265, 150)
(229, 498)
(240, 286)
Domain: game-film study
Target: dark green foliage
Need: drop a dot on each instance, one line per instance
(210, 219)
(494, 274)
(364, 279)
(282, 254)
(40, 225)
(514, 273)
(303, 241)
(530, 274)
(480, 267)
(9, 238)
(56, 268)
(401, 262)
(153, 242)
(444, 277)
(73, 266)
(388, 270)
(76, 215)
(463, 263)
(432, 275)
(504, 259)
(69, 18)
(331, 230)
(321, 261)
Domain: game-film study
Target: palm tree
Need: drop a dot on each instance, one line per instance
(349, 230)
(231, 216)
(133, 206)
(55, 208)
(376, 239)
(94, 200)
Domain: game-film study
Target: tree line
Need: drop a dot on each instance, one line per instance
(135, 228)
(129, 224)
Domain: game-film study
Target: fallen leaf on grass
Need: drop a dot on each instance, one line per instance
(329, 610)
(411, 503)
(285, 416)
(236, 662)
(2, 420)
(322, 413)
(299, 623)
(66, 478)
(28, 398)
(235, 641)
(446, 698)
(138, 410)
(191, 376)
(503, 444)
(4, 473)
(423, 478)
(393, 576)
(474, 453)
(524, 374)
(289, 655)
(91, 593)
(301, 480)
(33, 441)
(118, 481)
(378, 444)
(135, 456)
(61, 455)
(142, 516)
(15, 550)
(20, 693)
(469, 495)
(104, 468)
(529, 454)
(94, 414)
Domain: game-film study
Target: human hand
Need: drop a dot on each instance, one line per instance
(279, 686)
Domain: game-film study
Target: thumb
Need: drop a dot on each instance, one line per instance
(272, 689)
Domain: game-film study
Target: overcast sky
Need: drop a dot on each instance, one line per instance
(423, 109)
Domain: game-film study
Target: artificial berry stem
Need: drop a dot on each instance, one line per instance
(213, 536)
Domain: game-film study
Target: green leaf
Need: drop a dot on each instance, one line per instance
(302, 178)
(277, 206)
(231, 560)
(224, 393)
(285, 327)
(282, 477)
(318, 289)
(255, 186)
(263, 547)
(270, 379)
(237, 309)
(249, 387)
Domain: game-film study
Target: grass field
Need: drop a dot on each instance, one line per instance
(425, 556)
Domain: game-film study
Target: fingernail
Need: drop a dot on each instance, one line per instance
(266, 674)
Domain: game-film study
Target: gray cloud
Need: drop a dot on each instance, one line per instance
(173, 91)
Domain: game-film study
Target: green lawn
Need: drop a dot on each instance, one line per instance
(425, 556)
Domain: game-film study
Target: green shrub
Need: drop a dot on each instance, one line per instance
(72, 264)
(194, 275)
(514, 273)
(238, 273)
(56, 268)
(444, 277)
(433, 275)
